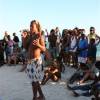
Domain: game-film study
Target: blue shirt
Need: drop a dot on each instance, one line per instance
(83, 43)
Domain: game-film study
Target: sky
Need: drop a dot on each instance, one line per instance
(16, 15)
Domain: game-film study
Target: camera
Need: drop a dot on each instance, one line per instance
(34, 36)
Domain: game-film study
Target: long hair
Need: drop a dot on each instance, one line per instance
(37, 25)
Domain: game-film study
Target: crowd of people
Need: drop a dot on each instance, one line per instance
(9, 49)
(71, 48)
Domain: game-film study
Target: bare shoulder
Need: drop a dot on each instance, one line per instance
(42, 40)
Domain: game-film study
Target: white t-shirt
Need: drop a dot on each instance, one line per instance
(73, 43)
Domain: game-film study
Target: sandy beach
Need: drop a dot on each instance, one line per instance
(14, 85)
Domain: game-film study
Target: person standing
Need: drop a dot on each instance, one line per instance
(24, 37)
(92, 49)
(82, 49)
(34, 64)
(58, 41)
(5, 40)
(16, 40)
(93, 35)
(10, 45)
(52, 44)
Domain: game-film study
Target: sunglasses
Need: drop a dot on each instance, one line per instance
(91, 30)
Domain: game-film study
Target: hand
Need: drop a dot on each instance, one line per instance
(36, 42)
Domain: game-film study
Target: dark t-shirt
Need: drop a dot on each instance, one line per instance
(52, 40)
(16, 39)
(92, 50)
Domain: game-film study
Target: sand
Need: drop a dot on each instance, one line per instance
(15, 85)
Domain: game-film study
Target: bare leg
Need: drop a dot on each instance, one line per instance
(41, 95)
(9, 59)
(15, 60)
(46, 78)
(43, 80)
(85, 77)
(34, 89)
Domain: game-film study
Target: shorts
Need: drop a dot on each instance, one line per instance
(34, 69)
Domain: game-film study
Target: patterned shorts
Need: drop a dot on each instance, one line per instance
(34, 69)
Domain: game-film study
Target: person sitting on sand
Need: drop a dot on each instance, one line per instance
(89, 73)
(52, 72)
